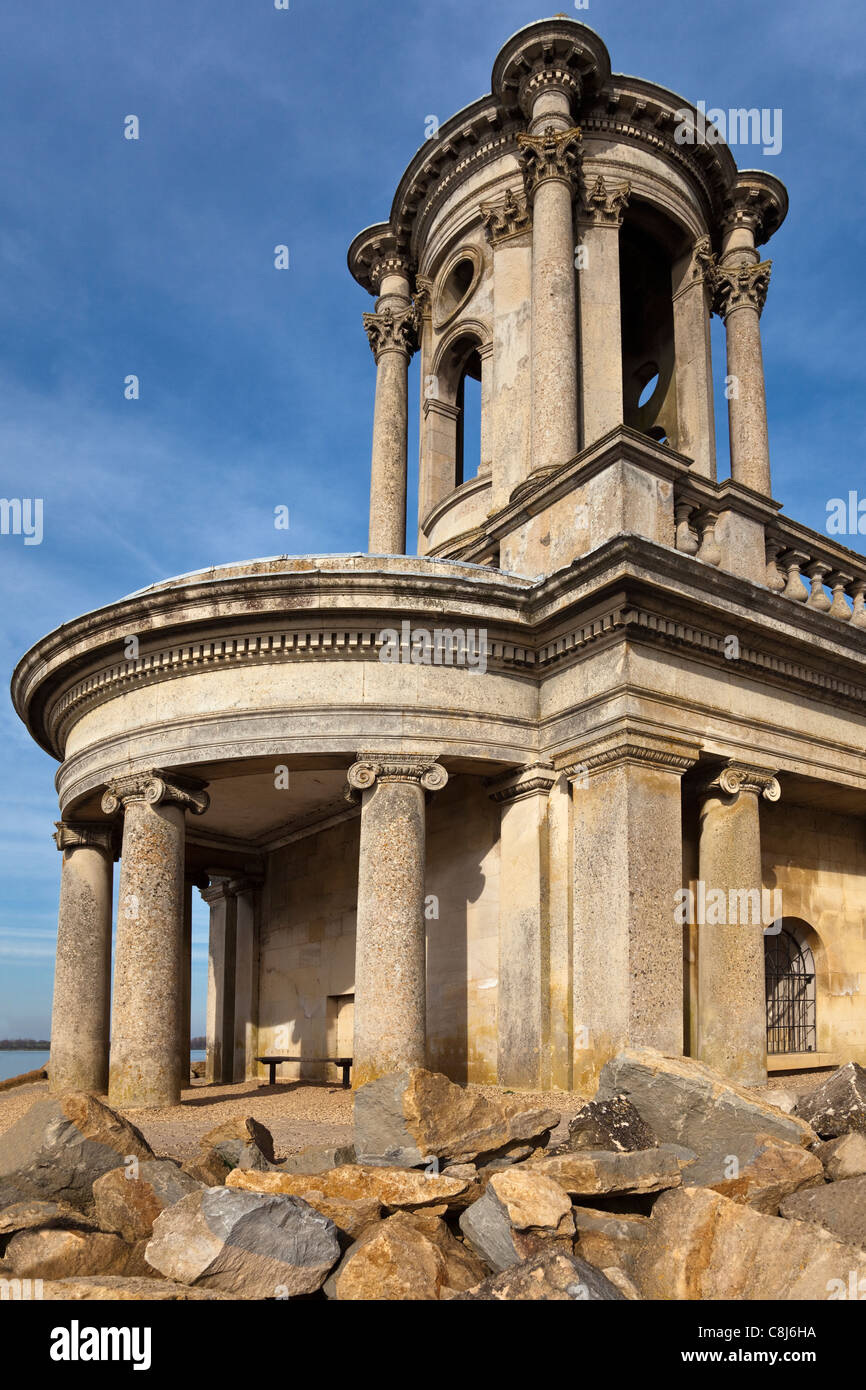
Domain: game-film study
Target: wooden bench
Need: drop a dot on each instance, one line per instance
(273, 1062)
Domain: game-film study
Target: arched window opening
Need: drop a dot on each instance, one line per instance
(648, 358)
(790, 977)
(468, 453)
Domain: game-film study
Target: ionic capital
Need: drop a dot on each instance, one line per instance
(555, 154)
(396, 767)
(744, 777)
(506, 219)
(392, 332)
(525, 781)
(602, 205)
(86, 835)
(156, 788)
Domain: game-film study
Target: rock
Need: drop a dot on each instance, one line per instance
(394, 1188)
(608, 1239)
(197, 1070)
(553, 1276)
(839, 1207)
(240, 1143)
(129, 1205)
(773, 1172)
(318, 1159)
(838, 1105)
(23, 1216)
(610, 1124)
(209, 1168)
(844, 1157)
(519, 1211)
(244, 1242)
(408, 1256)
(116, 1288)
(687, 1103)
(621, 1281)
(409, 1117)
(588, 1173)
(701, 1245)
(53, 1253)
(60, 1147)
(782, 1100)
(350, 1216)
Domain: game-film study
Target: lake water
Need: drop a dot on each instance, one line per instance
(14, 1063)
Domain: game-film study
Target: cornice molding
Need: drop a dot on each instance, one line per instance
(526, 781)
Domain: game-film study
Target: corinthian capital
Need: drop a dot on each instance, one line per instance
(392, 332)
(505, 219)
(554, 154)
(743, 777)
(736, 286)
(156, 788)
(604, 205)
(397, 767)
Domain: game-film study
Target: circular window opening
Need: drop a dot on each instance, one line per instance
(457, 287)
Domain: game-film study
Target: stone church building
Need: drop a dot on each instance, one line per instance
(588, 769)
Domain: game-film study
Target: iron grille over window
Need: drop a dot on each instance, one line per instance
(790, 976)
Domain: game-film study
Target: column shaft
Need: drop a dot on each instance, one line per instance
(82, 973)
(694, 375)
(390, 443)
(390, 976)
(145, 1062)
(220, 1025)
(732, 1023)
(246, 985)
(554, 328)
(747, 403)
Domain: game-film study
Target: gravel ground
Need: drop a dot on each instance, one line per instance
(299, 1114)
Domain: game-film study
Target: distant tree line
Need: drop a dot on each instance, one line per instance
(24, 1044)
(198, 1043)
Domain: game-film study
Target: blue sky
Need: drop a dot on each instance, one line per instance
(155, 257)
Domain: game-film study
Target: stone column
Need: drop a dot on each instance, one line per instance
(627, 874)
(220, 1025)
(82, 973)
(732, 1019)
(549, 157)
(246, 978)
(693, 354)
(390, 974)
(392, 331)
(508, 229)
(190, 883)
(599, 221)
(146, 1068)
(524, 959)
(739, 283)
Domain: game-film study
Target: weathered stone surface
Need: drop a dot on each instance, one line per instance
(392, 1187)
(208, 1168)
(588, 1173)
(610, 1124)
(773, 1172)
(115, 1288)
(783, 1100)
(244, 1242)
(701, 1245)
(687, 1103)
(517, 1214)
(552, 1277)
(317, 1159)
(411, 1255)
(838, 1105)
(409, 1116)
(53, 1253)
(844, 1157)
(608, 1239)
(240, 1143)
(129, 1205)
(23, 1216)
(60, 1147)
(351, 1216)
(838, 1207)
